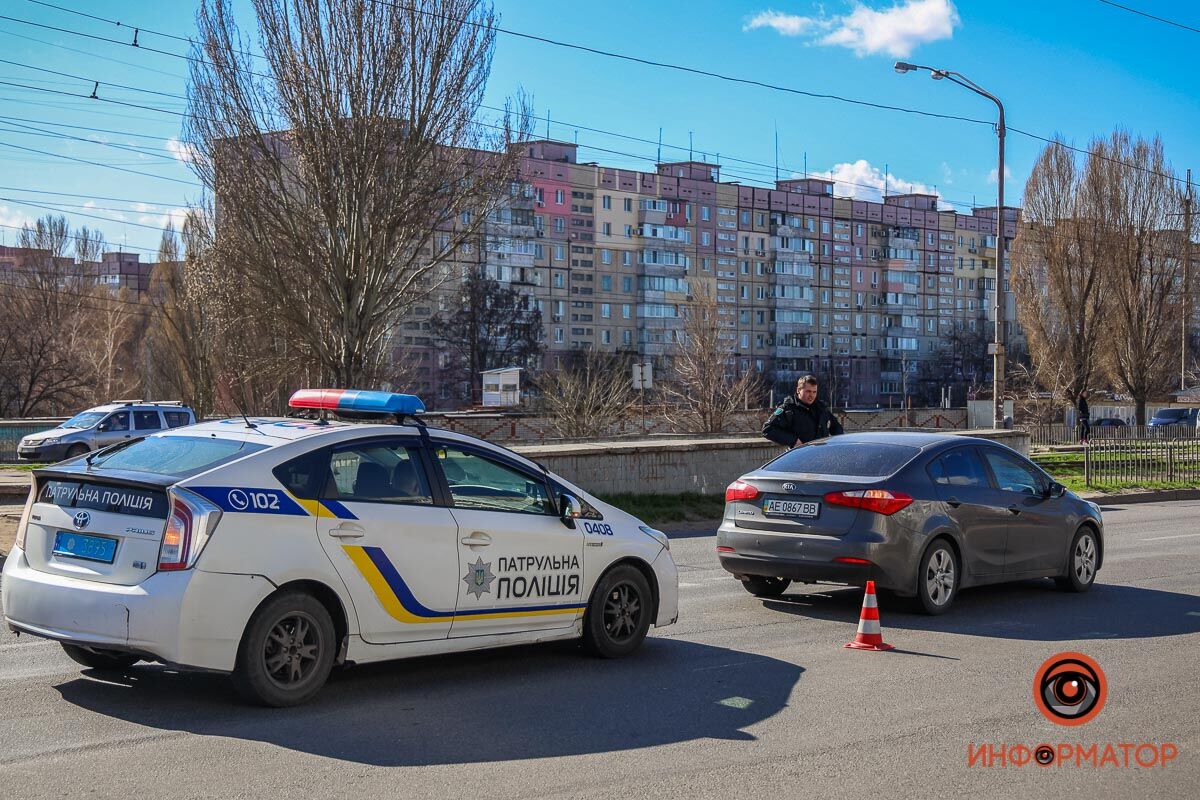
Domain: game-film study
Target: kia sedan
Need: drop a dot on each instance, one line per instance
(924, 515)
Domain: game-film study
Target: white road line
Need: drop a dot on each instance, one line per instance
(1161, 538)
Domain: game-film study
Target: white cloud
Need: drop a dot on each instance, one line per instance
(947, 174)
(896, 30)
(175, 216)
(991, 178)
(14, 218)
(181, 150)
(862, 181)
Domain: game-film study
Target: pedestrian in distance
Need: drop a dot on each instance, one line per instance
(801, 418)
(1085, 417)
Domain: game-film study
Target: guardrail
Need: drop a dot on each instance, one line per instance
(1141, 462)
(1059, 435)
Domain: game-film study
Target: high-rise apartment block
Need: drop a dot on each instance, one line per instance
(851, 290)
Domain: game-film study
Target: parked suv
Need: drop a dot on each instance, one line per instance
(1170, 417)
(104, 425)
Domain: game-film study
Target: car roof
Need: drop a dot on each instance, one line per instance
(919, 439)
(146, 405)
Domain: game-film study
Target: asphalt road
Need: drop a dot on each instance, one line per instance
(743, 697)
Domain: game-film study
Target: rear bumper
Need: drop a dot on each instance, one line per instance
(189, 618)
(801, 557)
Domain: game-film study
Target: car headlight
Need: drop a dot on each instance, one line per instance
(656, 535)
(51, 440)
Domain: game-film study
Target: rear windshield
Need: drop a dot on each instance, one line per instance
(178, 456)
(858, 459)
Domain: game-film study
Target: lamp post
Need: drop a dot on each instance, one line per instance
(996, 348)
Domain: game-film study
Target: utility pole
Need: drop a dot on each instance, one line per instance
(1187, 283)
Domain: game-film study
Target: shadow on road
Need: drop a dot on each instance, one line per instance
(1032, 610)
(527, 702)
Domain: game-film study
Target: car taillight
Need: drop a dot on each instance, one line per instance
(23, 525)
(879, 501)
(189, 525)
(740, 490)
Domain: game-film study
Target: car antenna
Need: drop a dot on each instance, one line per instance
(238, 405)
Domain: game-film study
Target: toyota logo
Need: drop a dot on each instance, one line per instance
(82, 520)
(789, 487)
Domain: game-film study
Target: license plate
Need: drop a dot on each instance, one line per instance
(792, 508)
(89, 548)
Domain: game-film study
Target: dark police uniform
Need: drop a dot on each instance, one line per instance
(795, 423)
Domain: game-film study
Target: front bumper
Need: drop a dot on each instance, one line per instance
(43, 453)
(810, 558)
(667, 575)
(189, 618)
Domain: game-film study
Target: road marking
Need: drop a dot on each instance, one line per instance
(1177, 536)
(736, 702)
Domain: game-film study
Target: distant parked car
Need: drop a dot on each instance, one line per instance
(1109, 422)
(1172, 417)
(104, 425)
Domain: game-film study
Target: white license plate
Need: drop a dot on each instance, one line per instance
(792, 508)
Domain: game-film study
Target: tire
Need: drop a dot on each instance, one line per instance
(103, 660)
(76, 450)
(1081, 562)
(618, 614)
(287, 651)
(766, 587)
(937, 578)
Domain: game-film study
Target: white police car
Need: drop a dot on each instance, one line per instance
(276, 548)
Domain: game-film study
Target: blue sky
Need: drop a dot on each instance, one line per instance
(1073, 67)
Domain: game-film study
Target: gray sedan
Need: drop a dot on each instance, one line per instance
(923, 515)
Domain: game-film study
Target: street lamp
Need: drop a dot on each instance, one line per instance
(996, 349)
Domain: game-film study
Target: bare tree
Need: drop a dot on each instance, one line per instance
(704, 389)
(1058, 275)
(588, 395)
(343, 165)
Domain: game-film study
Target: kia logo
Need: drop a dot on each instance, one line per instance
(789, 487)
(82, 520)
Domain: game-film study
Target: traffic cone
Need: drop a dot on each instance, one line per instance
(870, 636)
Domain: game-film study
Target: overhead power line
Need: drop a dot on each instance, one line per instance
(1163, 20)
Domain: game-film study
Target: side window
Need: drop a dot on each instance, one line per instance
(960, 467)
(146, 420)
(478, 482)
(176, 419)
(305, 476)
(378, 472)
(1012, 475)
(117, 422)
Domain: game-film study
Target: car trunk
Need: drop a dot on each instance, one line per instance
(789, 503)
(94, 528)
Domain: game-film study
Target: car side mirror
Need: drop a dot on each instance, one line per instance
(1055, 489)
(571, 509)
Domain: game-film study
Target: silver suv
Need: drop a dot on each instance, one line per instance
(104, 425)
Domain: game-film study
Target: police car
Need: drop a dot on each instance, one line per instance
(273, 549)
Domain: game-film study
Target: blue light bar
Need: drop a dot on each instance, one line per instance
(357, 400)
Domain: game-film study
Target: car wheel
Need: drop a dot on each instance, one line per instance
(106, 660)
(766, 587)
(287, 651)
(1081, 562)
(76, 450)
(618, 614)
(937, 578)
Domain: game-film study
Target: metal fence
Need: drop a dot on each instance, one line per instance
(1059, 435)
(1142, 462)
(11, 433)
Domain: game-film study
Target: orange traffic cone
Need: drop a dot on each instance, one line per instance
(870, 636)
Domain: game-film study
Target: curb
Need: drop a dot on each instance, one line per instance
(1159, 496)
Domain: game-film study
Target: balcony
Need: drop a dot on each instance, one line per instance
(790, 351)
(664, 270)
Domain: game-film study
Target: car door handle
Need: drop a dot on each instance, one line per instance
(476, 539)
(1014, 510)
(348, 530)
(953, 502)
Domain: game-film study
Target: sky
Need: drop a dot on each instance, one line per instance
(1075, 68)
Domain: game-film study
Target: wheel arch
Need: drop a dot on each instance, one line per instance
(641, 566)
(328, 598)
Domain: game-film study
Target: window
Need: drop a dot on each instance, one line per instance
(558, 196)
(628, 205)
(117, 422)
(626, 284)
(558, 335)
(606, 202)
(626, 310)
(626, 337)
(606, 228)
(959, 467)
(606, 311)
(606, 283)
(1011, 475)
(606, 337)
(377, 472)
(481, 483)
(868, 460)
(560, 252)
(146, 420)
(176, 419)
(626, 258)
(605, 255)
(559, 224)
(704, 213)
(180, 456)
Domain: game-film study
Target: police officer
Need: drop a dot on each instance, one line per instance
(801, 418)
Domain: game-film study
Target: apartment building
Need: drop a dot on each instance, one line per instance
(854, 291)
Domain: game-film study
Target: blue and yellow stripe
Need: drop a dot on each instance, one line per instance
(401, 604)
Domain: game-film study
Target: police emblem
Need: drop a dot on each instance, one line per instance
(479, 578)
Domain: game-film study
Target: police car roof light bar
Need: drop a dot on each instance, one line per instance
(358, 400)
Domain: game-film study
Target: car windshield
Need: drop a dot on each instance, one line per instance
(178, 456)
(834, 457)
(1171, 413)
(85, 419)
